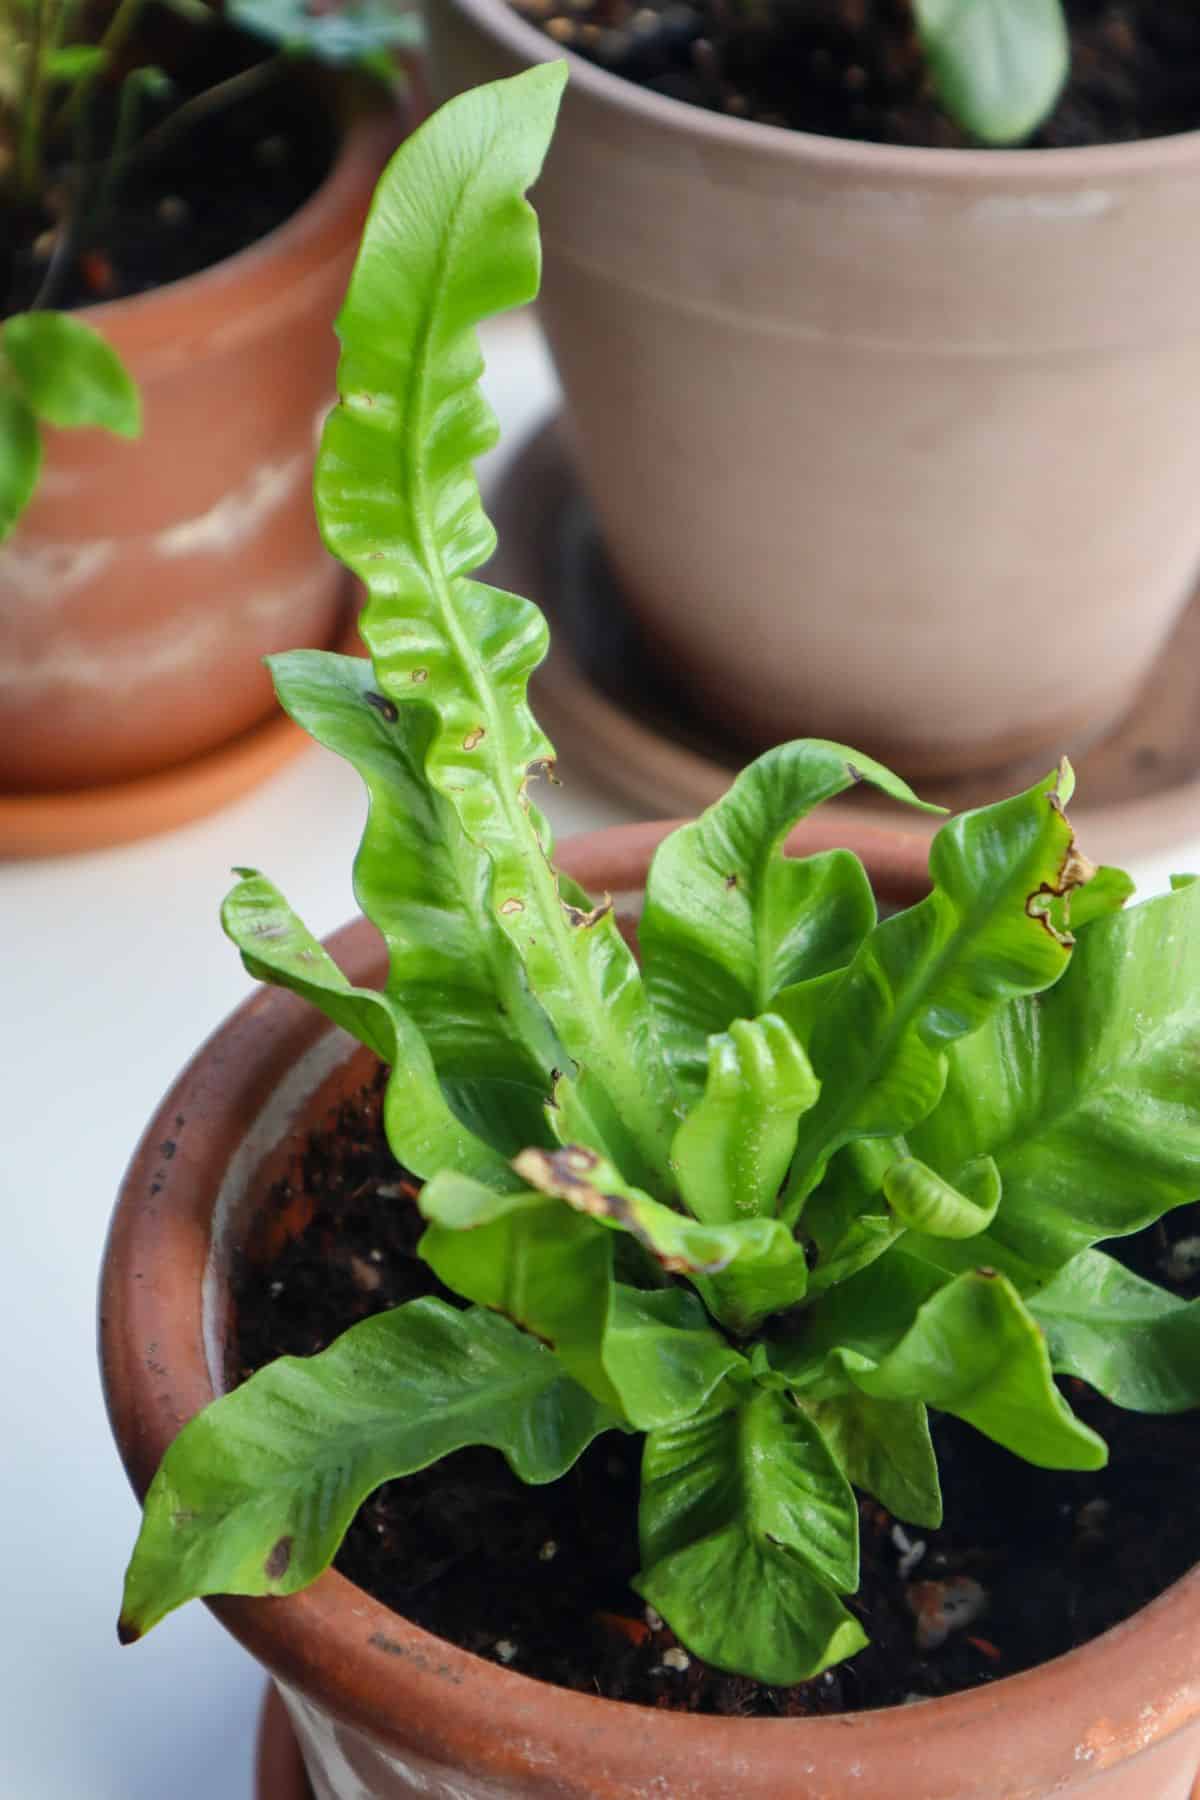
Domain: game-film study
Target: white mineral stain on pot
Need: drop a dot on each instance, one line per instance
(67, 664)
(45, 573)
(237, 516)
(1084, 203)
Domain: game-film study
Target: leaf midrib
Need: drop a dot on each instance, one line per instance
(542, 879)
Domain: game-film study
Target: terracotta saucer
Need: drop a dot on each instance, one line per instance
(609, 704)
(61, 824)
(279, 1772)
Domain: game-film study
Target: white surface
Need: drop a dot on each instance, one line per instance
(115, 971)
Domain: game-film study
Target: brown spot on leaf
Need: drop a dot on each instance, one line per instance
(385, 707)
(276, 1565)
(731, 881)
(512, 906)
(544, 766)
(474, 738)
(419, 675)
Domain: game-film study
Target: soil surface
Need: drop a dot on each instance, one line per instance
(1029, 1564)
(854, 68)
(202, 182)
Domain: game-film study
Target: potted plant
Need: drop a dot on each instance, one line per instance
(861, 421)
(141, 583)
(747, 1213)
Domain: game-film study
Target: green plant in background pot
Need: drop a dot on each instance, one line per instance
(998, 65)
(58, 371)
(762, 1202)
(181, 193)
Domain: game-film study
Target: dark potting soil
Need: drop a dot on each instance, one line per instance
(200, 186)
(1029, 1564)
(854, 68)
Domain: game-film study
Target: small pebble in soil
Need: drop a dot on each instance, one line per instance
(173, 211)
(676, 1659)
(653, 1619)
(911, 1551)
(942, 1607)
(1182, 1260)
(548, 1551)
(506, 1651)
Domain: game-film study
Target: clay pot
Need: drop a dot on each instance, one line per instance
(146, 582)
(383, 1709)
(892, 445)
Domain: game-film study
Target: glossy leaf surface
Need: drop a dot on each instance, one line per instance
(884, 1447)
(749, 1530)
(650, 1357)
(729, 920)
(448, 242)
(1129, 1339)
(937, 972)
(1087, 1097)
(421, 882)
(254, 1495)
(999, 65)
(733, 1150)
(924, 1201)
(421, 1128)
(975, 1351)
(744, 1270)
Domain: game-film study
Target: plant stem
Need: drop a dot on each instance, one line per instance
(225, 93)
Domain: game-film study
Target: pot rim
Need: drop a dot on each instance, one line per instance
(286, 254)
(1000, 168)
(374, 1670)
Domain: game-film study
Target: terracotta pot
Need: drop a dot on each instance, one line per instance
(896, 446)
(383, 1709)
(146, 582)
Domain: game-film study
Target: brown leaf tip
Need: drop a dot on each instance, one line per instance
(127, 1631)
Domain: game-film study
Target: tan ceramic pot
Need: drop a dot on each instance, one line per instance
(146, 582)
(897, 446)
(383, 1709)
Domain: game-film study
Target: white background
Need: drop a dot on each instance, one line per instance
(115, 970)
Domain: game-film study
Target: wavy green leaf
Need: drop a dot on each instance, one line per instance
(1086, 1097)
(937, 972)
(729, 920)
(998, 65)
(421, 1128)
(1133, 1342)
(20, 457)
(520, 1254)
(749, 1530)
(884, 1447)
(974, 1350)
(71, 377)
(256, 1492)
(925, 1201)
(449, 241)
(650, 1357)
(733, 1151)
(420, 881)
(744, 1271)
